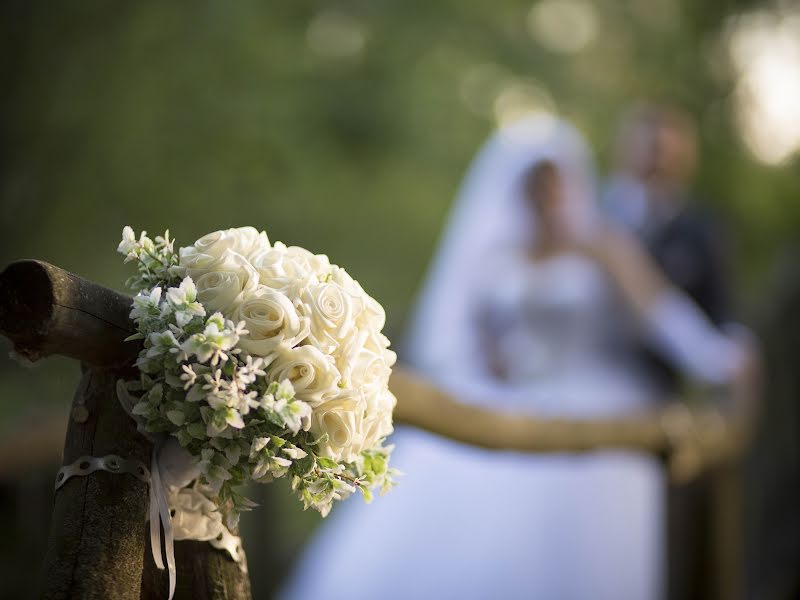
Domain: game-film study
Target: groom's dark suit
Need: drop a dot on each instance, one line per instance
(688, 246)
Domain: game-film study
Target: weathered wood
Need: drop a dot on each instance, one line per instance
(727, 532)
(203, 572)
(690, 442)
(430, 408)
(45, 310)
(97, 539)
(97, 532)
(65, 305)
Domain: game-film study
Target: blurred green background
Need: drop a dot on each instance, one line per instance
(345, 127)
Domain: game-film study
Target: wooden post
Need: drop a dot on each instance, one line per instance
(203, 572)
(98, 526)
(97, 543)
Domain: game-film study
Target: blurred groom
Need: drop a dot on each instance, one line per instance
(650, 195)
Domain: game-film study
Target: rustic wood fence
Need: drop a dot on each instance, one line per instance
(98, 547)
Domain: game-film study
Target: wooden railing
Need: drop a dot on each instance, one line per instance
(97, 546)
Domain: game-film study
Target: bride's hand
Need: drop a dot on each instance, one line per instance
(698, 440)
(595, 242)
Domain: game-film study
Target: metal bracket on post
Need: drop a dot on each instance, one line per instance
(112, 463)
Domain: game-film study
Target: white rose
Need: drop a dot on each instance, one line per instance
(390, 356)
(332, 311)
(346, 352)
(343, 278)
(225, 286)
(284, 270)
(366, 340)
(369, 372)
(271, 321)
(195, 517)
(210, 250)
(372, 315)
(363, 345)
(249, 240)
(340, 419)
(377, 342)
(377, 423)
(313, 374)
(316, 263)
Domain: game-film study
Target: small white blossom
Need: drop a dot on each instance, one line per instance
(164, 242)
(146, 304)
(161, 343)
(183, 299)
(257, 445)
(128, 244)
(211, 345)
(294, 452)
(188, 377)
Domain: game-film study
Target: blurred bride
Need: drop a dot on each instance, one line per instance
(531, 306)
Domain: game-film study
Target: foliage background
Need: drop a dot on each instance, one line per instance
(211, 114)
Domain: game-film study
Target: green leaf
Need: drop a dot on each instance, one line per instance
(327, 463)
(176, 416)
(196, 430)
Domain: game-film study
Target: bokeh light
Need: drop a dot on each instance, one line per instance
(563, 26)
(493, 92)
(335, 35)
(522, 98)
(764, 49)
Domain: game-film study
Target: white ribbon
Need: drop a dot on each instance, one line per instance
(160, 517)
(171, 465)
(159, 507)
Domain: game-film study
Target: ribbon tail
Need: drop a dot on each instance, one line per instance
(155, 521)
(160, 517)
(159, 508)
(169, 547)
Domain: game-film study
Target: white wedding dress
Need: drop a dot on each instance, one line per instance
(473, 524)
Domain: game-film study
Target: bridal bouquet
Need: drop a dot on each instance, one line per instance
(262, 361)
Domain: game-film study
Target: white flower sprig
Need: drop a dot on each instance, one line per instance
(263, 361)
(156, 260)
